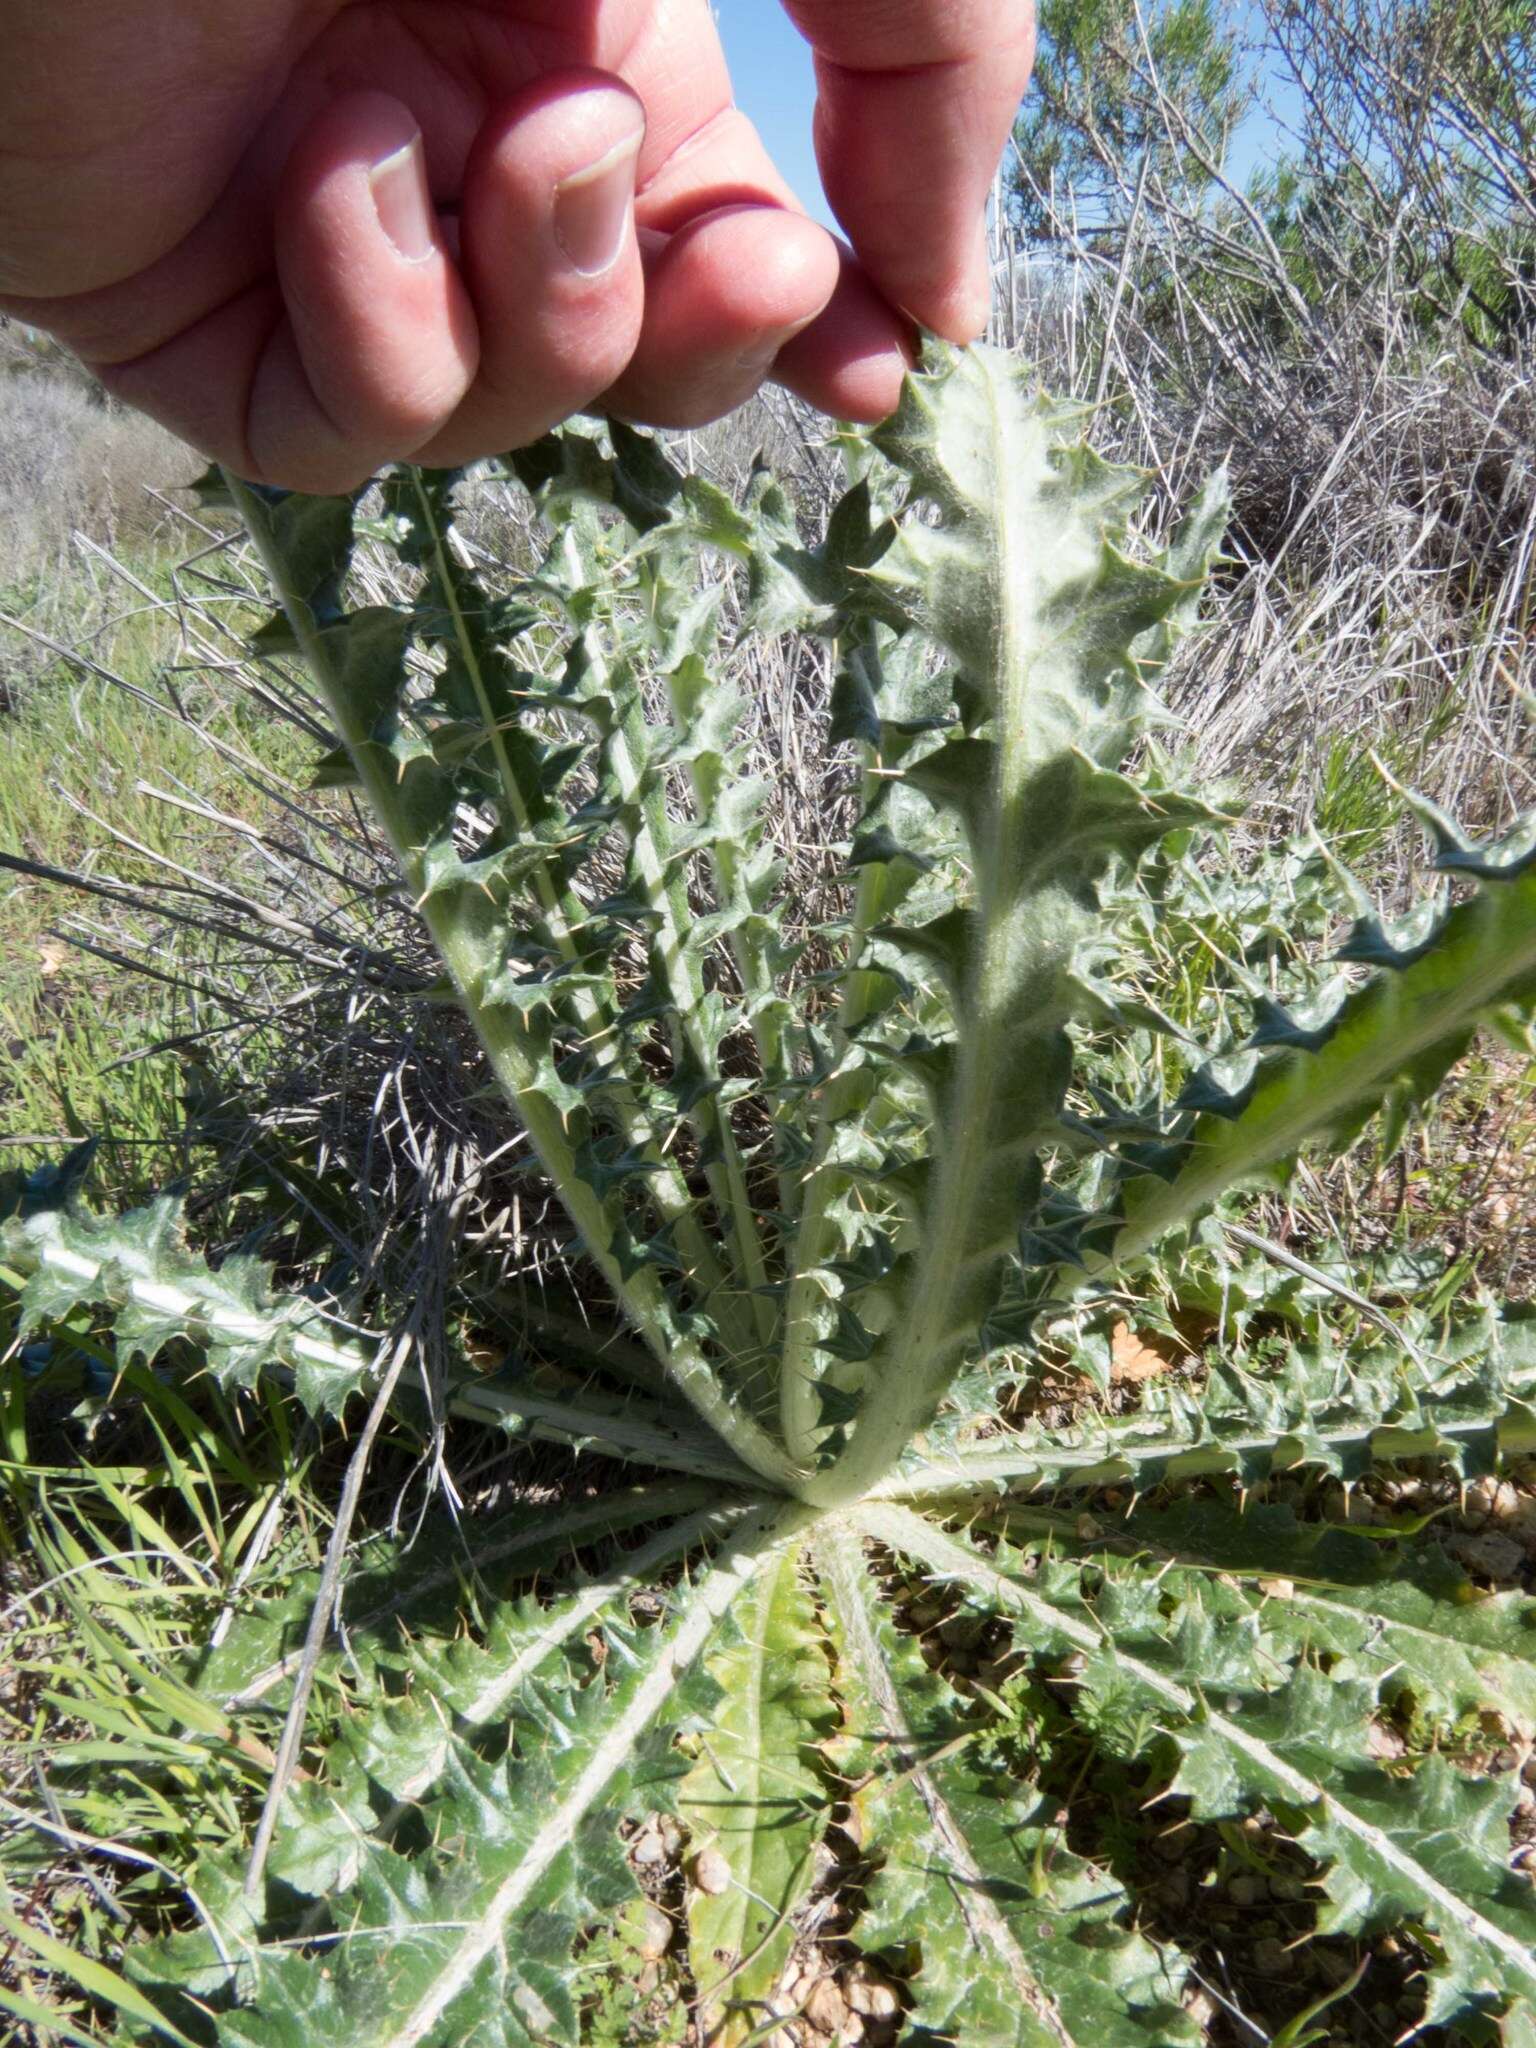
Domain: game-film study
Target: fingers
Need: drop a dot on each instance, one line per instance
(357, 350)
(850, 361)
(380, 343)
(723, 296)
(916, 99)
(388, 332)
(425, 363)
(732, 289)
(373, 347)
(550, 259)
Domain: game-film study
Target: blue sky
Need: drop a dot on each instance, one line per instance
(771, 69)
(775, 86)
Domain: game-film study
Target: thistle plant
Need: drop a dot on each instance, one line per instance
(845, 1186)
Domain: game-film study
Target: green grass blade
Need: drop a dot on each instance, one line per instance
(95, 1979)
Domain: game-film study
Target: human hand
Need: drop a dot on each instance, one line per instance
(316, 236)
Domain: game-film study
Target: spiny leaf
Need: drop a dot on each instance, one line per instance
(1397, 1609)
(1020, 583)
(391, 1587)
(757, 1798)
(403, 1744)
(1014, 1941)
(138, 1266)
(1251, 1732)
(1390, 1043)
(1465, 1400)
(158, 1292)
(469, 1941)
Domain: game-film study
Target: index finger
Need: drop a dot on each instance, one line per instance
(915, 101)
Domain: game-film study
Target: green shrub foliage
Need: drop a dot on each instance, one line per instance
(843, 1182)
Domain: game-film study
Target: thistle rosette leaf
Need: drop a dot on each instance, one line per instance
(465, 1931)
(1008, 1938)
(1458, 1392)
(1382, 1050)
(1253, 1729)
(1012, 569)
(238, 1325)
(555, 1058)
(757, 1798)
(1383, 1602)
(402, 1600)
(138, 1267)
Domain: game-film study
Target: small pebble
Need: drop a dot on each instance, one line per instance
(1200, 2006)
(1489, 1499)
(962, 1631)
(1333, 1964)
(711, 1872)
(876, 2001)
(1491, 1555)
(825, 2006)
(655, 1932)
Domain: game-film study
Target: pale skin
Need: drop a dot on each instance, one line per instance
(316, 236)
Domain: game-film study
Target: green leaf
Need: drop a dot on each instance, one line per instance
(1390, 1045)
(1018, 580)
(468, 1940)
(1012, 1940)
(1251, 1731)
(93, 1978)
(1398, 1610)
(159, 1291)
(756, 1800)
(391, 1587)
(1465, 1399)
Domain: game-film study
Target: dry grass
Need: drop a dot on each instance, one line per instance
(70, 463)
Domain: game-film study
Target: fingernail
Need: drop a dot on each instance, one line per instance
(403, 203)
(593, 206)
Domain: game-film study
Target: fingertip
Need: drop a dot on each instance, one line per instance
(908, 139)
(550, 257)
(724, 297)
(958, 306)
(851, 361)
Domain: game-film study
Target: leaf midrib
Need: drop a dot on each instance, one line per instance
(911, 1534)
